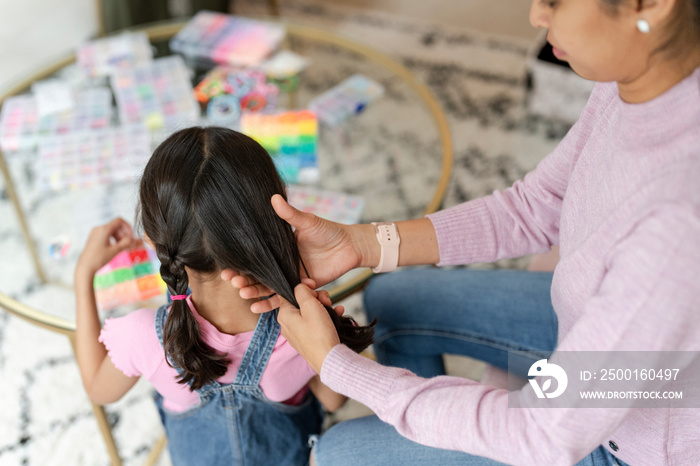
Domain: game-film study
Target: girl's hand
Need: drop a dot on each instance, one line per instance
(309, 329)
(104, 242)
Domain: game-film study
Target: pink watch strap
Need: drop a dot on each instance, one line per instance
(388, 237)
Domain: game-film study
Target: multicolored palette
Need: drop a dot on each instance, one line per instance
(77, 160)
(291, 138)
(338, 207)
(104, 56)
(158, 94)
(20, 125)
(131, 276)
(225, 39)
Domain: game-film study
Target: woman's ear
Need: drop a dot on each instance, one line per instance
(656, 12)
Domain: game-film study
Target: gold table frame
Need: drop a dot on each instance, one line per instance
(163, 32)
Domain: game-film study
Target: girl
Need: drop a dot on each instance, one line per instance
(230, 389)
(621, 197)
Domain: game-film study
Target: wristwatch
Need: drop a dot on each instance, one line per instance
(388, 237)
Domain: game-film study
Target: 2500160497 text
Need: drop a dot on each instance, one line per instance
(639, 374)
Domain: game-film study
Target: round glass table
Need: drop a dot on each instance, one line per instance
(396, 155)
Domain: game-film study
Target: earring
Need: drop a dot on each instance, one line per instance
(643, 26)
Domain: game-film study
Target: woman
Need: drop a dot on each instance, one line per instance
(619, 195)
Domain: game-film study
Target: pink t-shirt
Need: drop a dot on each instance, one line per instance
(134, 349)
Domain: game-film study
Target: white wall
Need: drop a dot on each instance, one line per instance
(33, 33)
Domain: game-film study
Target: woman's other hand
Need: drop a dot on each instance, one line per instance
(308, 329)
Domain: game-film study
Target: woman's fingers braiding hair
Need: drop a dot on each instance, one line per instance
(325, 247)
(308, 327)
(296, 218)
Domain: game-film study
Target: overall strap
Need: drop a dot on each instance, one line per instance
(259, 350)
(161, 316)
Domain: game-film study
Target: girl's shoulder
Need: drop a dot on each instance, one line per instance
(141, 321)
(132, 342)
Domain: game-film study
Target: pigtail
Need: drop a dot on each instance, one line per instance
(198, 362)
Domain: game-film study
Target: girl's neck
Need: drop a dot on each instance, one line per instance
(220, 304)
(659, 78)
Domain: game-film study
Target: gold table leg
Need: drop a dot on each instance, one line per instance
(156, 451)
(10, 188)
(103, 423)
(106, 431)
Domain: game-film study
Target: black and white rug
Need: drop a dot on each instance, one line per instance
(479, 81)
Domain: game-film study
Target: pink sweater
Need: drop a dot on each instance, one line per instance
(621, 196)
(135, 350)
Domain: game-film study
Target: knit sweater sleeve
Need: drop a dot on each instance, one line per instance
(648, 300)
(523, 219)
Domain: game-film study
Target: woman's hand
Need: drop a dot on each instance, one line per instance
(328, 250)
(308, 329)
(104, 242)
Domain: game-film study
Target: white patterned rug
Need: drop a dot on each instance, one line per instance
(480, 82)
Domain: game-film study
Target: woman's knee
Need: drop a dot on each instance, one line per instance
(368, 440)
(340, 445)
(377, 297)
(392, 297)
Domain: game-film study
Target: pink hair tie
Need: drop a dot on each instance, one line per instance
(178, 297)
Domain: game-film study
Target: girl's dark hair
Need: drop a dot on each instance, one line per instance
(205, 204)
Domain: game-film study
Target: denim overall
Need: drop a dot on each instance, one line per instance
(235, 424)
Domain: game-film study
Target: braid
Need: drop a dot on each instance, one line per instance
(198, 362)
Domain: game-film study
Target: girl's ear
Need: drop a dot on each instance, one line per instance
(228, 274)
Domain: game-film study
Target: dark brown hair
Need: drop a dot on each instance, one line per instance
(683, 27)
(205, 204)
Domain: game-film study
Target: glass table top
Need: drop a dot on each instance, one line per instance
(395, 155)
